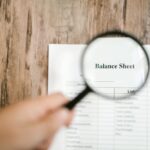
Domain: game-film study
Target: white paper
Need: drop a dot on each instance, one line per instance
(99, 124)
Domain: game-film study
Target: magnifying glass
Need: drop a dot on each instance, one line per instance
(114, 65)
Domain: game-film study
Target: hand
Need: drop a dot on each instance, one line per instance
(32, 124)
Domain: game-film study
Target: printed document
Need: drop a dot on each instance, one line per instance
(99, 124)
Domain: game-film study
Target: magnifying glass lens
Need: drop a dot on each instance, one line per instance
(115, 67)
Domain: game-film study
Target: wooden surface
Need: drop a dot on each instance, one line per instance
(28, 26)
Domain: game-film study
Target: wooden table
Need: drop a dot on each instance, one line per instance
(28, 26)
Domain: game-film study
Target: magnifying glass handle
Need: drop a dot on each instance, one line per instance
(70, 105)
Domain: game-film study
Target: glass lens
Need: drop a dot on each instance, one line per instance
(115, 67)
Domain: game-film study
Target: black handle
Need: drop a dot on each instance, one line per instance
(70, 105)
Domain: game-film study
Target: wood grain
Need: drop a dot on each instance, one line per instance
(28, 26)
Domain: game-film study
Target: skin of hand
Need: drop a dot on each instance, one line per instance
(32, 124)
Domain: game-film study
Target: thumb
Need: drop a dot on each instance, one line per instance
(56, 120)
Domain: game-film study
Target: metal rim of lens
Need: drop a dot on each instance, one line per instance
(122, 34)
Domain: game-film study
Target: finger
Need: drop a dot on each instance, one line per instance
(44, 145)
(52, 101)
(70, 118)
(40, 106)
(49, 126)
(52, 123)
